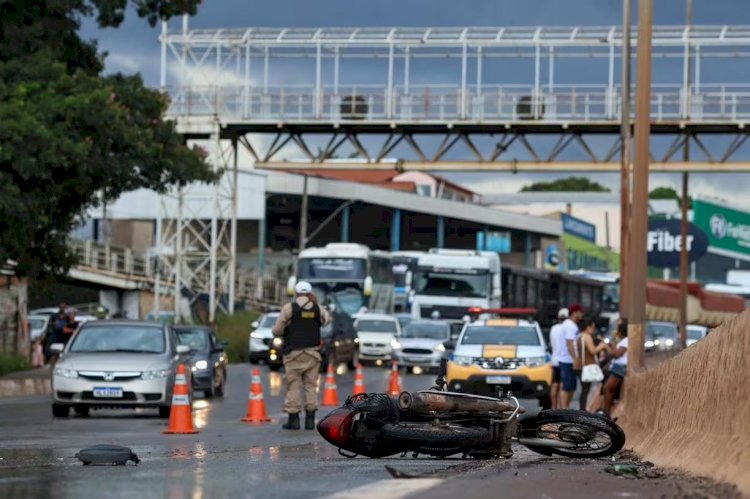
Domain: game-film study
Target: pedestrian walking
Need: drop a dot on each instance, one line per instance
(617, 368)
(299, 324)
(569, 361)
(58, 323)
(558, 346)
(588, 352)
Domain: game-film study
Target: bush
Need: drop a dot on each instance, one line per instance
(236, 329)
(10, 362)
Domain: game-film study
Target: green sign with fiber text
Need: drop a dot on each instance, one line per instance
(728, 229)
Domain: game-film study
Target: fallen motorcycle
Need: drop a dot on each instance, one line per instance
(439, 423)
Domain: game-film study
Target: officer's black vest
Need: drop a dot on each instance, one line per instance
(304, 329)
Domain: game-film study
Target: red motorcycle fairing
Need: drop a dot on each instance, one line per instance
(336, 427)
(357, 435)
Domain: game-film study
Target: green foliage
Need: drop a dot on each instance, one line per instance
(570, 184)
(667, 193)
(236, 330)
(11, 362)
(71, 138)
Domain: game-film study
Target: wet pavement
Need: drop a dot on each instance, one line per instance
(232, 459)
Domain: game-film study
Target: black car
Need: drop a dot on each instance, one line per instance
(208, 359)
(338, 344)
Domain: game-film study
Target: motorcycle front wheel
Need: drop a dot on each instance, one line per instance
(572, 433)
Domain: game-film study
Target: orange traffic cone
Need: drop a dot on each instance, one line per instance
(359, 381)
(256, 405)
(181, 415)
(394, 388)
(330, 397)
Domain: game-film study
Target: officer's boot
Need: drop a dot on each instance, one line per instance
(293, 423)
(309, 420)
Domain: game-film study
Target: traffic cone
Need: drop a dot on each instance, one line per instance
(359, 381)
(256, 405)
(181, 415)
(394, 388)
(330, 397)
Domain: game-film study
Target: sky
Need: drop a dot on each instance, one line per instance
(134, 47)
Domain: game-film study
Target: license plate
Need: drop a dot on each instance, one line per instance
(498, 380)
(108, 392)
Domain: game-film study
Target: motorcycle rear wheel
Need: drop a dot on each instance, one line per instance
(594, 436)
(430, 438)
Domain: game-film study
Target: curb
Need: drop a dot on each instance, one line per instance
(25, 387)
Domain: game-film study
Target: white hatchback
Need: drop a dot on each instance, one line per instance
(377, 335)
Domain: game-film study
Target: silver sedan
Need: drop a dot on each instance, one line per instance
(121, 364)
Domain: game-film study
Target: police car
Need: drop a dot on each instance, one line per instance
(496, 352)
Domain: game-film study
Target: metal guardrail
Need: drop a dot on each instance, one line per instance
(446, 103)
(113, 260)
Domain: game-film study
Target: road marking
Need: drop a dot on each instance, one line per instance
(389, 489)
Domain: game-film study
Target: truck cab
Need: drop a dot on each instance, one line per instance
(447, 283)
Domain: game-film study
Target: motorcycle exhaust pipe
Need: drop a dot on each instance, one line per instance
(429, 402)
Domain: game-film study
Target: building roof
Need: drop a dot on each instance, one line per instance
(382, 178)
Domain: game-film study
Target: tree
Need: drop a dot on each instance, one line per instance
(71, 138)
(570, 184)
(668, 193)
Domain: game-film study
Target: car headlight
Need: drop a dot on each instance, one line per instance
(535, 361)
(277, 342)
(157, 374)
(669, 342)
(463, 360)
(650, 344)
(395, 345)
(66, 373)
(200, 365)
(439, 348)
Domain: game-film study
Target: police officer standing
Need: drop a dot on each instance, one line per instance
(299, 323)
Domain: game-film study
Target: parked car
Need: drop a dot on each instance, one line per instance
(377, 334)
(421, 344)
(696, 333)
(661, 336)
(117, 363)
(261, 340)
(38, 325)
(340, 343)
(209, 362)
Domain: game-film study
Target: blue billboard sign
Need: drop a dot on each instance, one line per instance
(664, 243)
(579, 228)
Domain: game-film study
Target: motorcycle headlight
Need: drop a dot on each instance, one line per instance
(277, 342)
(395, 345)
(463, 360)
(439, 348)
(200, 365)
(66, 373)
(156, 374)
(535, 361)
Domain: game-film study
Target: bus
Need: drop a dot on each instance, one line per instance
(352, 277)
(404, 265)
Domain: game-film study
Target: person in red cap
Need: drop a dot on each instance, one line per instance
(568, 361)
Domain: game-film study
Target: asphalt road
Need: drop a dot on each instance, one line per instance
(231, 459)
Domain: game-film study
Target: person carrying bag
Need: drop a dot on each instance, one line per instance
(590, 371)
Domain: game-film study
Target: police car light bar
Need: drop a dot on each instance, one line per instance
(503, 311)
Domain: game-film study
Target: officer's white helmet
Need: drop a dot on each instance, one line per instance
(303, 288)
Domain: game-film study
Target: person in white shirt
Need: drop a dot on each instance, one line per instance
(557, 345)
(617, 368)
(567, 357)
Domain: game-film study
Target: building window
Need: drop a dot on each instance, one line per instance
(424, 190)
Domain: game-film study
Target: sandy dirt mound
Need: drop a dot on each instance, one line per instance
(692, 412)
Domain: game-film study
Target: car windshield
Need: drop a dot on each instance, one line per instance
(694, 333)
(403, 321)
(426, 330)
(452, 284)
(36, 323)
(196, 339)
(501, 335)
(268, 321)
(377, 326)
(654, 331)
(120, 338)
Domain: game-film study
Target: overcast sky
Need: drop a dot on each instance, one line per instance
(135, 48)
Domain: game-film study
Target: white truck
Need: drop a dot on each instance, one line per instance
(450, 282)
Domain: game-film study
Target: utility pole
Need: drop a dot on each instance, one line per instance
(637, 256)
(303, 216)
(625, 160)
(685, 179)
